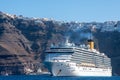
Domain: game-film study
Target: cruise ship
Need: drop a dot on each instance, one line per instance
(69, 60)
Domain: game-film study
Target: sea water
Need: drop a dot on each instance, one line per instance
(39, 77)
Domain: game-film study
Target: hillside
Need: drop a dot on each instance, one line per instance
(23, 40)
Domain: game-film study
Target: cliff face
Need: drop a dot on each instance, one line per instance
(23, 40)
(14, 50)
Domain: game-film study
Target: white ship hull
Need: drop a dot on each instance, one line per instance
(71, 69)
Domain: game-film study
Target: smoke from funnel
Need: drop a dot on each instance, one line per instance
(86, 35)
(79, 36)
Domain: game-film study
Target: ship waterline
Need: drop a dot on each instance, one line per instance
(70, 69)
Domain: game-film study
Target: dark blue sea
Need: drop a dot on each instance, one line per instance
(39, 77)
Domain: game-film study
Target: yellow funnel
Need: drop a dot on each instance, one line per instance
(91, 44)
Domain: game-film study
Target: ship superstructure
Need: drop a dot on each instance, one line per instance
(70, 60)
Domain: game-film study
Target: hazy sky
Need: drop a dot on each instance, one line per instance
(65, 10)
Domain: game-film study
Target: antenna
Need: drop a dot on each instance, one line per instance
(91, 34)
(91, 29)
(115, 26)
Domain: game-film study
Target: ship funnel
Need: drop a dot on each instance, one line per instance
(91, 43)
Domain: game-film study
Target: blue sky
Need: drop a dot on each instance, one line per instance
(65, 10)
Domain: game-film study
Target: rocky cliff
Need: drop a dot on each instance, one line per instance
(23, 40)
